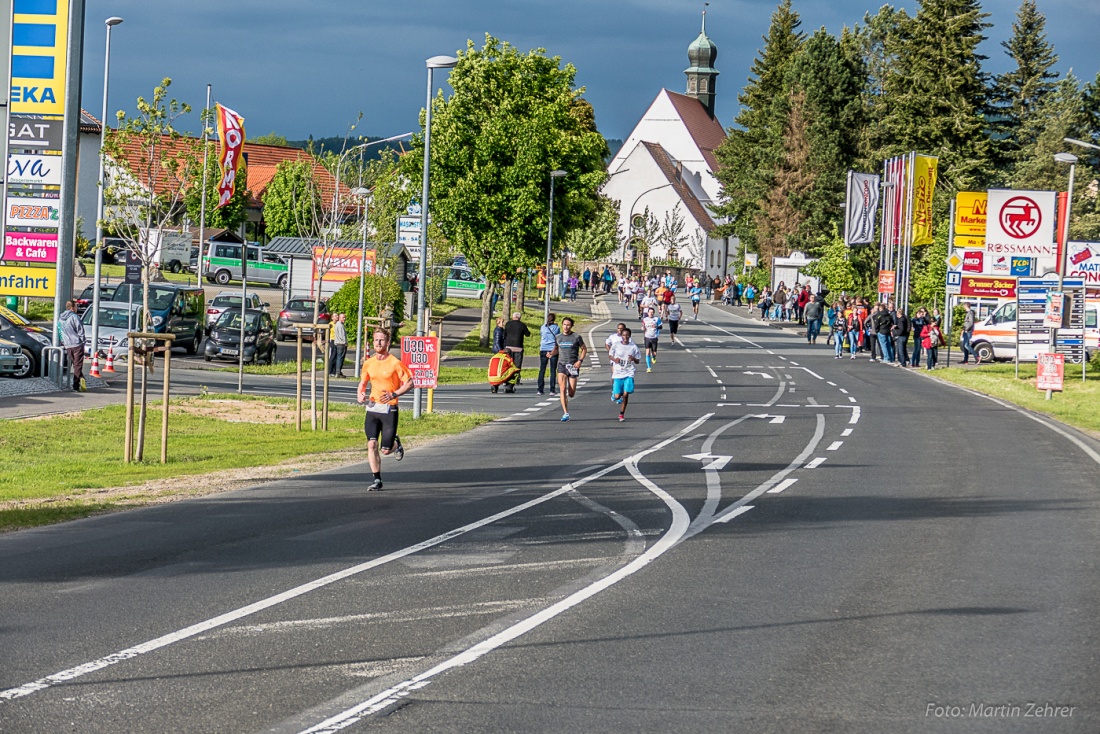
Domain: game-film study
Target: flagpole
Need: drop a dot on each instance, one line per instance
(907, 236)
(202, 206)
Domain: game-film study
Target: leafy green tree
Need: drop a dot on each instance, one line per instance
(834, 267)
(271, 138)
(936, 94)
(290, 200)
(380, 292)
(513, 118)
(1019, 94)
(753, 151)
(600, 236)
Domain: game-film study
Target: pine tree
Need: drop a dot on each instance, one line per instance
(781, 218)
(936, 94)
(1018, 94)
(753, 150)
(831, 82)
(876, 45)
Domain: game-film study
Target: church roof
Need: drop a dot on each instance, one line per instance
(673, 172)
(706, 131)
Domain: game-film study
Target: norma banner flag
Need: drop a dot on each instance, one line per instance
(859, 222)
(231, 135)
(924, 183)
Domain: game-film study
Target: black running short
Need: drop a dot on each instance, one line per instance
(651, 344)
(384, 424)
(672, 326)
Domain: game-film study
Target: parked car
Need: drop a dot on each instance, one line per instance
(227, 300)
(84, 300)
(224, 341)
(299, 310)
(193, 263)
(173, 309)
(115, 321)
(12, 359)
(33, 339)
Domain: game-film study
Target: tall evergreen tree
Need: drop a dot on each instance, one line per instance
(1018, 94)
(752, 152)
(936, 95)
(830, 82)
(780, 221)
(876, 44)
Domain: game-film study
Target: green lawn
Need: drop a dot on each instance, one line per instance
(469, 346)
(63, 457)
(1078, 406)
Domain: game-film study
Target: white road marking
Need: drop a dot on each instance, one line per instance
(778, 394)
(543, 405)
(722, 405)
(719, 382)
(667, 541)
(711, 371)
(816, 462)
(795, 363)
(835, 445)
(765, 375)
(730, 515)
(844, 391)
(833, 384)
(846, 432)
(782, 485)
(271, 601)
(585, 469)
(855, 415)
(778, 419)
(851, 399)
(808, 370)
(811, 401)
(532, 410)
(781, 357)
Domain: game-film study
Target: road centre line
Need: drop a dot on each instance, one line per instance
(711, 371)
(851, 399)
(855, 415)
(833, 384)
(271, 601)
(835, 445)
(844, 391)
(816, 462)
(846, 432)
(807, 369)
(395, 693)
(739, 511)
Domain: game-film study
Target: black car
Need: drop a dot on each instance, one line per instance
(299, 310)
(84, 300)
(33, 339)
(224, 341)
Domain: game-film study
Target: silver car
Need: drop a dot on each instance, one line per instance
(12, 359)
(115, 321)
(226, 300)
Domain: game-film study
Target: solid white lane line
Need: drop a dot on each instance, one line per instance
(846, 432)
(782, 485)
(395, 693)
(271, 601)
(835, 445)
(714, 482)
(816, 462)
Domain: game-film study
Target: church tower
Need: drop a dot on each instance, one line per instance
(701, 75)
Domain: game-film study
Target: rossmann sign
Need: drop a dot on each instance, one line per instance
(1021, 223)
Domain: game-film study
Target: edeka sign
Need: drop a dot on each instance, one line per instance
(41, 212)
(39, 46)
(987, 286)
(17, 281)
(31, 247)
(1083, 261)
(34, 170)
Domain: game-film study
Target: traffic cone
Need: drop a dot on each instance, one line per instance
(95, 364)
(110, 360)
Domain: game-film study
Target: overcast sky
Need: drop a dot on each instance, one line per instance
(300, 68)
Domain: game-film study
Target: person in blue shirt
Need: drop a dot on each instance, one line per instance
(696, 295)
(548, 356)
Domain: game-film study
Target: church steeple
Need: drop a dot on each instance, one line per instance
(701, 75)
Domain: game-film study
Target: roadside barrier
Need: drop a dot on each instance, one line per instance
(110, 361)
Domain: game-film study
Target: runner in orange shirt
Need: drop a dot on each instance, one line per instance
(388, 378)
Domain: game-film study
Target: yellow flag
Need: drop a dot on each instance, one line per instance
(924, 182)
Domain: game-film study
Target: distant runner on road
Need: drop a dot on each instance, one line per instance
(652, 328)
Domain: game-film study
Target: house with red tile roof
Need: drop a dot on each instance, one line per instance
(667, 166)
(261, 161)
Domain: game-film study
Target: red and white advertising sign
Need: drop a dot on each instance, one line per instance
(421, 355)
(340, 263)
(886, 280)
(988, 286)
(1021, 223)
(1083, 261)
(1050, 372)
(1000, 264)
(973, 261)
(231, 134)
(30, 247)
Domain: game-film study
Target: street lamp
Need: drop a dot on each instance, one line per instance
(630, 215)
(435, 62)
(110, 23)
(549, 243)
(1071, 159)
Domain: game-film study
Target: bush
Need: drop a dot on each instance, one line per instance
(378, 293)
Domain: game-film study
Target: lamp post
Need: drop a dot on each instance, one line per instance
(110, 23)
(549, 244)
(435, 62)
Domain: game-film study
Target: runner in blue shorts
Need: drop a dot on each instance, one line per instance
(624, 354)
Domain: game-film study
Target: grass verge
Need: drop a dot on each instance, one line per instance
(469, 346)
(66, 467)
(1078, 406)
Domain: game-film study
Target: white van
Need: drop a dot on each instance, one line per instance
(995, 337)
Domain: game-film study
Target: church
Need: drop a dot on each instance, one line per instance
(666, 166)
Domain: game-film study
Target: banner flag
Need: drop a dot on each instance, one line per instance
(231, 135)
(862, 207)
(924, 183)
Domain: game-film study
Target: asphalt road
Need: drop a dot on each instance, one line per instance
(773, 541)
